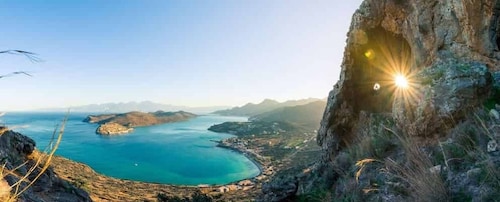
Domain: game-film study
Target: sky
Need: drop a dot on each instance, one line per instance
(189, 53)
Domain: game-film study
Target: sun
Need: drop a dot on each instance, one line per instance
(401, 81)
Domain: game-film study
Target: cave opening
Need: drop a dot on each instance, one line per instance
(380, 58)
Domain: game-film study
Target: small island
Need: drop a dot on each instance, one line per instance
(113, 128)
(115, 124)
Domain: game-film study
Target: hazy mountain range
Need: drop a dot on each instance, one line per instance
(266, 110)
(267, 105)
(145, 106)
(309, 114)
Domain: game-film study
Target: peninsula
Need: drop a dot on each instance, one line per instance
(114, 124)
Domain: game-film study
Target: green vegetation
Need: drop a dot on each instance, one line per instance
(493, 99)
(318, 195)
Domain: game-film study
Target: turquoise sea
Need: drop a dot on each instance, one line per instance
(179, 153)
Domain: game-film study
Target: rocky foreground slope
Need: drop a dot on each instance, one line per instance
(434, 140)
(19, 167)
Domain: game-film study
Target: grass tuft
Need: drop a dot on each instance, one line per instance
(41, 159)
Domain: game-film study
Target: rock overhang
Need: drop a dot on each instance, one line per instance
(413, 38)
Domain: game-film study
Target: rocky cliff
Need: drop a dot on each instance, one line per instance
(447, 49)
(20, 168)
(449, 52)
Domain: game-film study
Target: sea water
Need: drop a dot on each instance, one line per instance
(180, 153)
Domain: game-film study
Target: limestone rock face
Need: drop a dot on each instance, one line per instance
(113, 129)
(444, 93)
(446, 49)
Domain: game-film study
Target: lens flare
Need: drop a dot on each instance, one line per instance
(401, 81)
(369, 54)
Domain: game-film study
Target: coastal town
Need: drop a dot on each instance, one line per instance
(269, 145)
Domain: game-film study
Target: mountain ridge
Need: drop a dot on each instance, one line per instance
(145, 106)
(251, 109)
(308, 115)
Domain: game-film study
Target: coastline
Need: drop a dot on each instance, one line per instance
(266, 169)
(246, 153)
(105, 188)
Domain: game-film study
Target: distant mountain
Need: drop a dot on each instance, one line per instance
(145, 106)
(308, 115)
(267, 105)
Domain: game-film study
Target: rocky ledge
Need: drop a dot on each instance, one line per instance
(112, 124)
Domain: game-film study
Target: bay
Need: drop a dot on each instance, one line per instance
(181, 153)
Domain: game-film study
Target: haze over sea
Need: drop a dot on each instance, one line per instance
(181, 153)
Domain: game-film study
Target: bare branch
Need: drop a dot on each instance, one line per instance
(14, 73)
(31, 56)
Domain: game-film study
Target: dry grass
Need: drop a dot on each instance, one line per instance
(423, 185)
(361, 165)
(42, 161)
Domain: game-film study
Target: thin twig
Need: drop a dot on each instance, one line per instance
(30, 55)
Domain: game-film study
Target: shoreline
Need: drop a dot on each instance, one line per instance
(247, 154)
(166, 184)
(106, 188)
(84, 176)
(265, 167)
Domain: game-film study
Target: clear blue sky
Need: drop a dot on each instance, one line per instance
(192, 53)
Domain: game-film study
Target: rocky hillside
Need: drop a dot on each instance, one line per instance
(19, 160)
(111, 124)
(252, 128)
(137, 119)
(267, 105)
(432, 140)
(307, 115)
